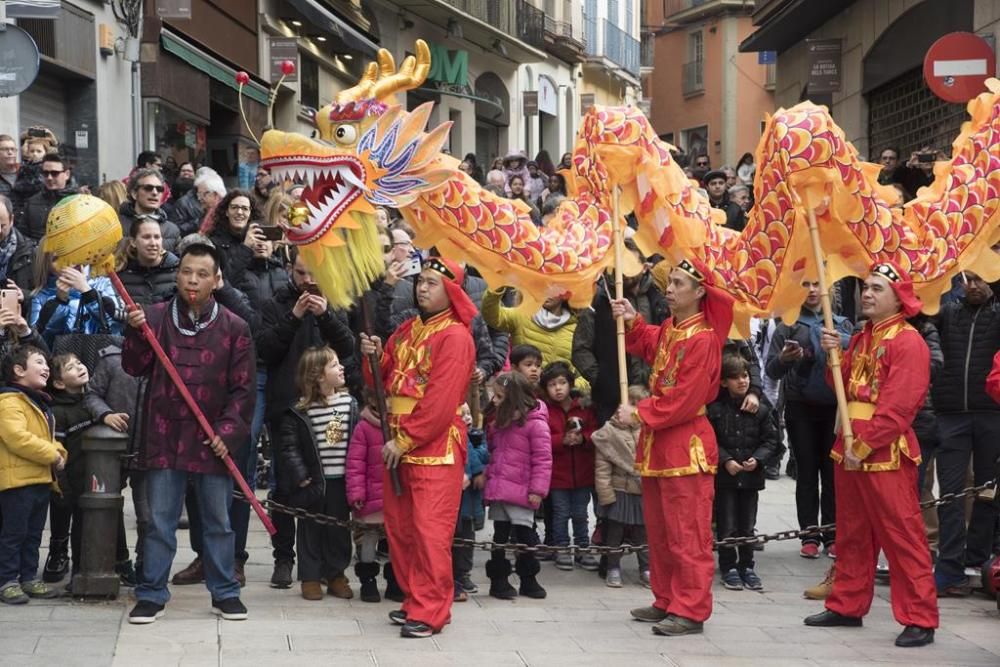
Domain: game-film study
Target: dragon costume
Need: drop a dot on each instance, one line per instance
(369, 151)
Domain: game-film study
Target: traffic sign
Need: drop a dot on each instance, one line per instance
(18, 60)
(957, 65)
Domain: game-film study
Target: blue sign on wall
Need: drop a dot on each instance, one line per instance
(767, 57)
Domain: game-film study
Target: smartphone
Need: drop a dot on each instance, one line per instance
(926, 157)
(791, 342)
(8, 300)
(271, 232)
(411, 267)
(313, 289)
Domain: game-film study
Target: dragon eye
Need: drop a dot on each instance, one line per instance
(345, 134)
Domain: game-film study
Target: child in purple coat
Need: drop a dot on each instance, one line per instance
(517, 479)
(365, 472)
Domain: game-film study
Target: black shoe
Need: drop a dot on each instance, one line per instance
(282, 575)
(914, 635)
(772, 472)
(145, 612)
(126, 573)
(231, 609)
(392, 590)
(530, 588)
(498, 570)
(416, 630)
(57, 563)
(831, 619)
(366, 574)
(398, 616)
(792, 469)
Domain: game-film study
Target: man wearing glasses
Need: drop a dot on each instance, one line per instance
(145, 191)
(56, 174)
(8, 164)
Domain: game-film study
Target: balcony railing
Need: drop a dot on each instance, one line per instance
(694, 77)
(615, 44)
(518, 19)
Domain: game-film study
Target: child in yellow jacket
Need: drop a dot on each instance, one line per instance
(28, 454)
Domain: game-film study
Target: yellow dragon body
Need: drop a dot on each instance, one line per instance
(370, 152)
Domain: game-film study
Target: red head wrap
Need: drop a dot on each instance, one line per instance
(717, 304)
(463, 307)
(901, 284)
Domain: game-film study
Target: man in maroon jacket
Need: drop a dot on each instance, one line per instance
(213, 352)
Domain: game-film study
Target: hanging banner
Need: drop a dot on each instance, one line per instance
(529, 101)
(824, 65)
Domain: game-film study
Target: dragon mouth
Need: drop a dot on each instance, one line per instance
(331, 186)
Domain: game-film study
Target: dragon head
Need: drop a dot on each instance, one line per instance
(367, 152)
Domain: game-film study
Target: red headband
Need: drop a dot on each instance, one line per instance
(717, 304)
(901, 284)
(463, 307)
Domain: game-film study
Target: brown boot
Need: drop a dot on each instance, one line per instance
(821, 591)
(312, 590)
(192, 574)
(339, 587)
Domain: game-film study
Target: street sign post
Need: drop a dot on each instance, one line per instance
(18, 61)
(957, 65)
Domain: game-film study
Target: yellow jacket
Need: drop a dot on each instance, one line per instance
(555, 343)
(28, 448)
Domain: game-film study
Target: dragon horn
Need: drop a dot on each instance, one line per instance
(411, 75)
(364, 87)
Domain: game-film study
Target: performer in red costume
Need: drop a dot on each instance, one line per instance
(993, 379)
(886, 371)
(426, 368)
(677, 453)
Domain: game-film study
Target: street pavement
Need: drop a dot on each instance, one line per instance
(581, 623)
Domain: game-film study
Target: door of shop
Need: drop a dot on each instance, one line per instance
(905, 114)
(45, 103)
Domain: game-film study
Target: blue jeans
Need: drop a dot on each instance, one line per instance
(24, 510)
(165, 489)
(570, 504)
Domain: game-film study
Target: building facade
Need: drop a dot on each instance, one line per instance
(705, 96)
(882, 99)
(611, 73)
(82, 92)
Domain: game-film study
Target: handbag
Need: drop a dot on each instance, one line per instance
(87, 346)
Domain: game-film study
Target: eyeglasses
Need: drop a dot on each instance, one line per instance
(238, 208)
(149, 187)
(402, 243)
(386, 248)
(8, 149)
(701, 164)
(52, 173)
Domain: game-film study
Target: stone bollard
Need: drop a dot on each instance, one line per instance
(101, 504)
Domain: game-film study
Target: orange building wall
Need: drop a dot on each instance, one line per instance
(754, 101)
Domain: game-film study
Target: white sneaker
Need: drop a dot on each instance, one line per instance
(614, 578)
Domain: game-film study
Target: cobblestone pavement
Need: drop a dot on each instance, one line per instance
(580, 623)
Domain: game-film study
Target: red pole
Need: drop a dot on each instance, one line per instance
(168, 366)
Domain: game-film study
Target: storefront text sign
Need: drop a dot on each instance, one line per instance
(529, 100)
(449, 67)
(824, 65)
(282, 49)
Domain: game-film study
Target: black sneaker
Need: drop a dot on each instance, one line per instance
(468, 585)
(126, 573)
(282, 575)
(398, 616)
(56, 566)
(751, 581)
(416, 630)
(230, 609)
(145, 612)
(732, 580)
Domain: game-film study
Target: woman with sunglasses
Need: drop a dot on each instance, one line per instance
(145, 191)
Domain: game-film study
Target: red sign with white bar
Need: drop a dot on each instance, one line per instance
(957, 65)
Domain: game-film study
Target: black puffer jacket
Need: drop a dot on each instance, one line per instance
(35, 212)
(169, 231)
(154, 284)
(298, 458)
(236, 256)
(742, 435)
(924, 424)
(970, 336)
(20, 268)
(282, 338)
(261, 279)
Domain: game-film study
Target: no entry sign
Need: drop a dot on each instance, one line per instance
(957, 65)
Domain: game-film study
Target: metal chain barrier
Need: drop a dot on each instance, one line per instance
(595, 550)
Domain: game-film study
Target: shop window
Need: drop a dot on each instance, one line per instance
(309, 83)
(906, 114)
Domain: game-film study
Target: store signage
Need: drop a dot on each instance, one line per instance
(173, 9)
(957, 65)
(824, 65)
(587, 100)
(529, 101)
(282, 49)
(449, 67)
(767, 57)
(548, 102)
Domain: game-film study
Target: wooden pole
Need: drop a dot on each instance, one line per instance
(620, 294)
(838, 378)
(199, 416)
(375, 365)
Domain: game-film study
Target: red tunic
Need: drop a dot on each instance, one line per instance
(993, 379)
(426, 367)
(886, 372)
(676, 438)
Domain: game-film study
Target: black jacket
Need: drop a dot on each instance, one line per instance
(20, 268)
(297, 459)
(35, 212)
(148, 285)
(970, 336)
(742, 435)
(595, 348)
(924, 424)
(236, 256)
(72, 419)
(261, 279)
(185, 212)
(282, 338)
(169, 231)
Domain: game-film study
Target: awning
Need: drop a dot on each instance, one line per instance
(483, 99)
(325, 20)
(211, 66)
(790, 24)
